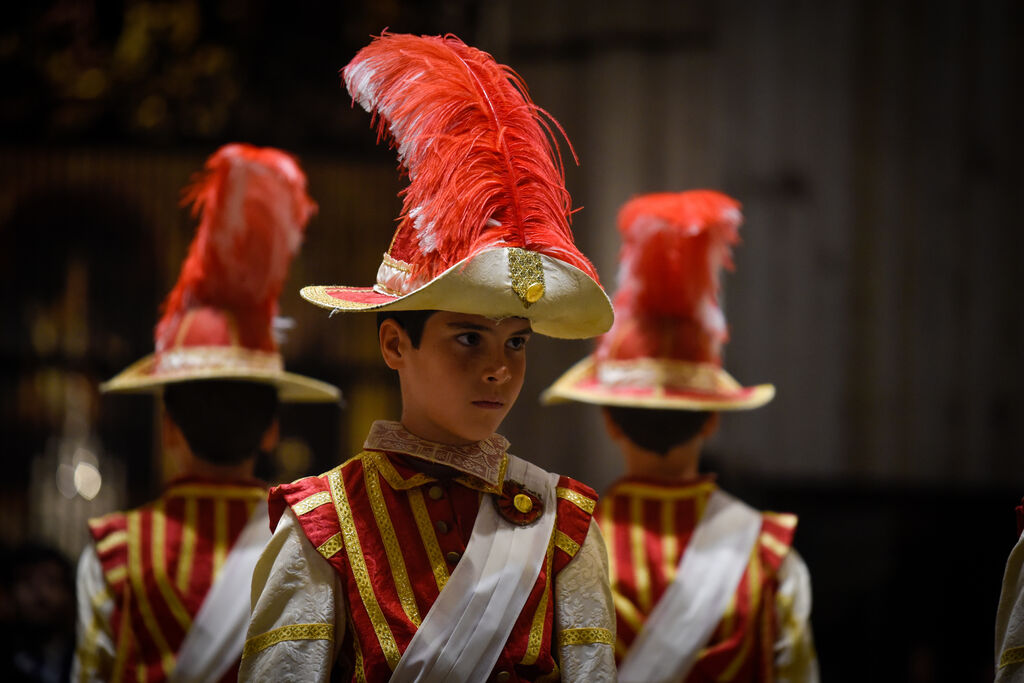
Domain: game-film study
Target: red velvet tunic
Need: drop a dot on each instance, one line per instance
(647, 527)
(160, 560)
(395, 533)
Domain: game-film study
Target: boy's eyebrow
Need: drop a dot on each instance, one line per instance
(458, 325)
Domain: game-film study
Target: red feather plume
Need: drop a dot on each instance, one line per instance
(253, 210)
(674, 248)
(482, 161)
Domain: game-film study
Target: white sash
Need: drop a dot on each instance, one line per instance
(708, 575)
(214, 643)
(465, 630)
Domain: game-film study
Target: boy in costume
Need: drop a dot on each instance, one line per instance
(705, 588)
(1010, 614)
(436, 555)
(163, 589)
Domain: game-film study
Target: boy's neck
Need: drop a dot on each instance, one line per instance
(681, 463)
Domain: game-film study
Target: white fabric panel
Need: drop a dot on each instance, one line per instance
(94, 655)
(293, 584)
(465, 630)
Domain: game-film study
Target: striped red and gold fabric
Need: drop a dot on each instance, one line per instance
(160, 560)
(395, 534)
(647, 527)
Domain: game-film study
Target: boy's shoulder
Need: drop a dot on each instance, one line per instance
(308, 495)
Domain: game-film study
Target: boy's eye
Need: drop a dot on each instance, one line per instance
(469, 338)
(516, 343)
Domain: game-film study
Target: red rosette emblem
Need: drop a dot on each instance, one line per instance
(518, 504)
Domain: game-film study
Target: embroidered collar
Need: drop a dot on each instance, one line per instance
(485, 460)
(654, 489)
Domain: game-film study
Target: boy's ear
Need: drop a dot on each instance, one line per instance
(394, 343)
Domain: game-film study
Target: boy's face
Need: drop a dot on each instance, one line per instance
(460, 383)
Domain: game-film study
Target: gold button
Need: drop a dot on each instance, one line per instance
(435, 493)
(442, 527)
(453, 557)
(503, 676)
(534, 292)
(522, 503)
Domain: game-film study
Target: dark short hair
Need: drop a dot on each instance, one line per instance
(412, 322)
(223, 421)
(658, 430)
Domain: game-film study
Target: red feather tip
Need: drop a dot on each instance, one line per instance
(482, 160)
(253, 209)
(674, 247)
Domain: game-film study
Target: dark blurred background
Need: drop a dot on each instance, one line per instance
(875, 147)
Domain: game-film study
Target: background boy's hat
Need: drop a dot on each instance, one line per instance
(665, 349)
(485, 221)
(218, 319)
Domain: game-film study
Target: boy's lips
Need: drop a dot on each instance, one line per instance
(489, 404)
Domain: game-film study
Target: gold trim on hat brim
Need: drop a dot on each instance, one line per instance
(579, 383)
(141, 377)
(572, 306)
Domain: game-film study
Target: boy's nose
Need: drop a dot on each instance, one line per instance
(499, 374)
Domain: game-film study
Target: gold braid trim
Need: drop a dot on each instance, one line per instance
(582, 502)
(310, 503)
(585, 636)
(1013, 655)
(566, 544)
(284, 633)
(331, 546)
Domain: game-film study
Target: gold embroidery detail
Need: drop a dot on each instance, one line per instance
(390, 540)
(669, 542)
(391, 475)
(566, 544)
(1013, 655)
(578, 499)
(628, 612)
(539, 616)
(357, 563)
(526, 272)
(482, 459)
(286, 633)
(396, 264)
(117, 538)
(786, 520)
(639, 553)
(310, 503)
(138, 587)
(585, 636)
(183, 576)
(331, 546)
(159, 558)
(426, 528)
(660, 493)
(774, 545)
(220, 535)
(753, 605)
(117, 574)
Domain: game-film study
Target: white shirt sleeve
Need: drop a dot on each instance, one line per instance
(298, 611)
(795, 658)
(1010, 620)
(584, 614)
(94, 653)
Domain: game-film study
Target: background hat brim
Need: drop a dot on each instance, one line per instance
(580, 383)
(141, 377)
(573, 306)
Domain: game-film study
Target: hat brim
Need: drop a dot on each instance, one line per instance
(580, 383)
(573, 305)
(142, 377)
